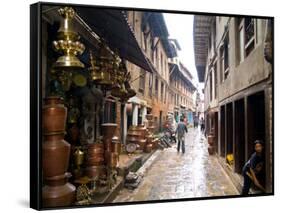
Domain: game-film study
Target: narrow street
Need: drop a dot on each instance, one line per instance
(173, 175)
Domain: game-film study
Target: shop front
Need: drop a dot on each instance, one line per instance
(88, 102)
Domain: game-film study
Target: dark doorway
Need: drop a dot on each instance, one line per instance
(239, 156)
(160, 121)
(256, 124)
(216, 131)
(140, 115)
(256, 120)
(222, 131)
(229, 129)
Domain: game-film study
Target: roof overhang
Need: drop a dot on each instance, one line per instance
(177, 71)
(201, 32)
(113, 26)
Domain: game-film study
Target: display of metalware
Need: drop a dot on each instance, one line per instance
(122, 87)
(108, 130)
(95, 156)
(68, 42)
(57, 191)
(148, 148)
(55, 156)
(151, 141)
(96, 171)
(103, 68)
(131, 147)
(78, 156)
(54, 115)
(116, 145)
(111, 159)
(136, 134)
(211, 142)
(94, 69)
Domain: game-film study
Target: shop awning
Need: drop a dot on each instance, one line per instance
(112, 25)
(108, 24)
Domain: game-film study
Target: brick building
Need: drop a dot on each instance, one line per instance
(155, 90)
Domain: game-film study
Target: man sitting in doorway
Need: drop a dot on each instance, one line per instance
(181, 130)
(252, 168)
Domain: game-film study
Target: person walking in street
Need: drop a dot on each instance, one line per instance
(252, 168)
(202, 124)
(180, 131)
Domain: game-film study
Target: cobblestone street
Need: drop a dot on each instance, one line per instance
(169, 174)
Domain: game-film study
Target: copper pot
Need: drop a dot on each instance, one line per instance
(116, 147)
(63, 195)
(211, 140)
(107, 145)
(112, 159)
(211, 150)
(149, 137)
(133, 138)
(108, 129)
(95, 148)
(148, 148)
(141, 144)
(54, 115)
(97, 160)
(55, 155)
(95, 171)
(142, 130)
(58, 192)
(57, 180)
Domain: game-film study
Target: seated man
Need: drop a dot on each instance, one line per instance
(252, 168)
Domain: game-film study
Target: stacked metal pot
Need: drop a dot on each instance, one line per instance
(55, 157)
(211, 142)
(111, 144)
(95, 161)
(136, 135)
(151, 142)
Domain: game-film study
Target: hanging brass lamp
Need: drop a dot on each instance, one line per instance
(94, 69)
(68, 42)
(106, 67)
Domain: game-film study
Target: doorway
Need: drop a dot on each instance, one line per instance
(256, 124)
(222, 132)
(160, 121)
(216, 131)
(239, 127)
(229, 128)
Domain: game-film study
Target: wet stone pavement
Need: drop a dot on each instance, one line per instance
(170, 175)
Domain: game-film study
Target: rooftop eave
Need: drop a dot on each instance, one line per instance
(201, 32)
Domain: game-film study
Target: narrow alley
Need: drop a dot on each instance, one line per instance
(136, 81)
(175, 175)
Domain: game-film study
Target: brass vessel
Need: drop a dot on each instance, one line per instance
(67, 42)
(103, 68)
(78, 156)
(94, 69)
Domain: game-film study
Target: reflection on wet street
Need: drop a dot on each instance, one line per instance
(173, 175)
